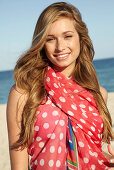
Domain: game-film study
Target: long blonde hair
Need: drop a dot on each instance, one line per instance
(30, 70)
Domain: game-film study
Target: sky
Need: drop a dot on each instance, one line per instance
(18, 19)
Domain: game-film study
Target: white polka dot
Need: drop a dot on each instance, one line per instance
(62, 122)
(61, 136)
(51, 93)
(72, 96)
(96, 154)
(70, 113)
(91, 141)
(85, 115)
(65, 90)
(48, 79)
(49, 135)
(82, 105)
(48, 102)
(95, 114)
(35, 162)
(101, 125)
(53, 105)
(36, 128)
(41, 144)
(53, 136)
(51, 163)
(54, 75)
(58, 163)
(81, 144)
(74, 106)
(42, 162)
(56, 122)
(83, 121)
(90, 108)
(44, 114)
(100, 162)
(89, 147)
(80, 126)
(55, 85)
(99, 136)
(81, 98)
(62, 84)
(46, 125)
(90, 133)
(52, 149)
(83, 110)
(38, 138)
(59, 105)
(93, 167)
(88, 99)
(44, 150)
(37, 113)
(86, 160)
(59, 149)
(74, 129)
(76, 91)
(62, 99)
(93, 129)
(91, 153)
(94, 124)
(55, 113)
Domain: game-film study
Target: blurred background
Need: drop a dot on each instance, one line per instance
(17, 23)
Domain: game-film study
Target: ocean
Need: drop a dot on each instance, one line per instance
(104, 69)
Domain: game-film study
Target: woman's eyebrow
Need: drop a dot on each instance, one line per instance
(68, 32)
(62, 33)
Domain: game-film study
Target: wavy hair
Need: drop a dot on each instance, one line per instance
(30, 70)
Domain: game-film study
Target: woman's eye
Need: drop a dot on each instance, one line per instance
(50, 39)
(68, 36)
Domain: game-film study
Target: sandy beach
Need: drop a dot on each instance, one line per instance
(4, 151)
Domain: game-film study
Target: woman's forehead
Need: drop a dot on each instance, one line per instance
(62, 24)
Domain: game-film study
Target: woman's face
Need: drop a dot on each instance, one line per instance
(62, 45)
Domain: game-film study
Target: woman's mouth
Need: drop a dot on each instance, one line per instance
(62, 56)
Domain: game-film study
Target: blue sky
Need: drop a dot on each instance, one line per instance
(18, 19)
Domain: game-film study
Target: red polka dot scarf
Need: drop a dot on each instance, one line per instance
(85, 125)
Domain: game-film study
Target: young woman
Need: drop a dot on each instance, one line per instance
(57, 111)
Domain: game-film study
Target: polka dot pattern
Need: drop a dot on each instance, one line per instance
(44, 115)
(36, 128)
(58, 163)
(46, 125)
(66, 100)
(55, 113)
(42, 162)
(52, 149)
(51, 163)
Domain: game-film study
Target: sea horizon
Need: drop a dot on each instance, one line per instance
(104, 69)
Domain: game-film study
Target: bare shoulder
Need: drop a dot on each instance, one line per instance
(17, 96)
(104, 93)
(16, 102)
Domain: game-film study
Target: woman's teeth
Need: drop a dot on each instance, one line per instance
(62, 55)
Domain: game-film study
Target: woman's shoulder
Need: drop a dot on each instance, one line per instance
(17, 93)
(16, 100)
(104, 93)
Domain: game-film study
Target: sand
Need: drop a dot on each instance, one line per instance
(4, 151)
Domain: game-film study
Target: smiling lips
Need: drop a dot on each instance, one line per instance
(62, 56)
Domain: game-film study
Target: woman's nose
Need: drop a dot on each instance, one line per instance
(60, 45)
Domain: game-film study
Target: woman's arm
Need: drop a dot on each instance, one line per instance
(110, 150)
(16, 102)
(104, 93)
